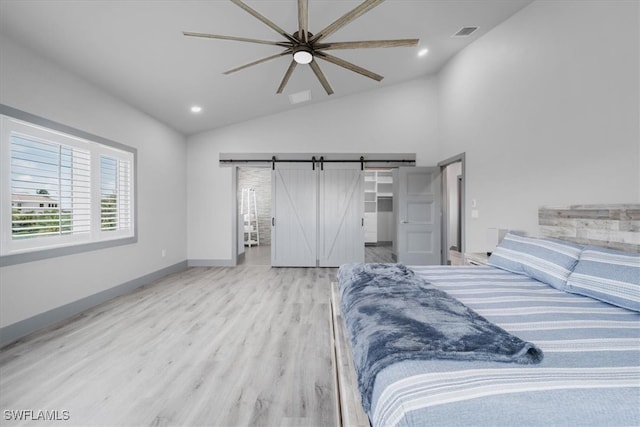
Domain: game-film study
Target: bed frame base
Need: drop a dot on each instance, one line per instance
(350, 410)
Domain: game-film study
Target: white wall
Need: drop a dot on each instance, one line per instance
(32, 84)
(546, 108)
(400, 118)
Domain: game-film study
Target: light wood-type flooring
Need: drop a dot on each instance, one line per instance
(261, 255)
(243, 346)
(257, 255)
(378, 253)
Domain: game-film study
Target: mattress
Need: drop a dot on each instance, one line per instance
(590, 375)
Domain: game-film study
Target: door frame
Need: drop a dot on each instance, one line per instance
(234, 219)
(237, 241)
(445, 218)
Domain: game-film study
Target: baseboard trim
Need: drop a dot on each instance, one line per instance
(211, 263)
(15, 331)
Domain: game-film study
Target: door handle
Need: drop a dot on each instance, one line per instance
(404, 222)
(273, 222)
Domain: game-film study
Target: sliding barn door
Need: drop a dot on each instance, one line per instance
(294, 215)
(340, 215)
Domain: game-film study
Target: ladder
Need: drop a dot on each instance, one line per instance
(249, 210)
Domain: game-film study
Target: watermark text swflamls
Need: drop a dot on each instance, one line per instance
(36, 415)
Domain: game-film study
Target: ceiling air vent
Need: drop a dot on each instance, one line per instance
(465, 31)
(298, 97)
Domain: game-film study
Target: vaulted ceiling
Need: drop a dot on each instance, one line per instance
(136, 49)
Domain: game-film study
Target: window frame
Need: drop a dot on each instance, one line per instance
(98, 146)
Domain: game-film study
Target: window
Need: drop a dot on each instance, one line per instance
(50, 188)
(115, 194)
(61, 190)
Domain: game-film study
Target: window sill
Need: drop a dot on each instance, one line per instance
(24, 257)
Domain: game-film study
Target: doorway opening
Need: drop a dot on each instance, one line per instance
(401, 219)
(253, 204)
(379, 225)
(453, 209)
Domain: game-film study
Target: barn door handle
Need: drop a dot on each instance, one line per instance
(362, 222)
(273, 222)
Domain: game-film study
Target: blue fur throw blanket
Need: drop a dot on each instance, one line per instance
(392, 315)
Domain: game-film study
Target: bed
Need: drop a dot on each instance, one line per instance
(579, 308)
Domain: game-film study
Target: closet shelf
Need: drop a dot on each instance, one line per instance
(378, 196)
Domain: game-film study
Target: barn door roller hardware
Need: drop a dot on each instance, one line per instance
(379, 162)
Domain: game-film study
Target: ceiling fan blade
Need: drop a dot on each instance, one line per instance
(239, 39)
(320, 75)
(265, 20)
(287, 75)
(303, 20)
(364, 7)
(367, 44)
(348, 65)
(259, 61)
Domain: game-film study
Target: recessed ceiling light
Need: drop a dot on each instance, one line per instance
(423, 52)
(196, 109)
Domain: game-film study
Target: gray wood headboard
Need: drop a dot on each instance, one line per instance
(612, 226)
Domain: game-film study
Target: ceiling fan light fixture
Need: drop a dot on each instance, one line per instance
(302, 55)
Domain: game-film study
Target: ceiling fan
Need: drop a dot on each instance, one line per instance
(306, 47)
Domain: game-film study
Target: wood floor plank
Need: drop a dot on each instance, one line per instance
(379, 253)
(239, 346)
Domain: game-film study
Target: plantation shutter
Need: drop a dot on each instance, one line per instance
(50, 188)
(115, 193)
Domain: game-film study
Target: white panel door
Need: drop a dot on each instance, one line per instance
(294, 216)
(419, 213)
(341, 210)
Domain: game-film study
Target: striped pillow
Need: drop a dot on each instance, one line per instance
(547, 260)
(607, 275)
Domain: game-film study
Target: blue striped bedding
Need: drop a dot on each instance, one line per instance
(590, 375)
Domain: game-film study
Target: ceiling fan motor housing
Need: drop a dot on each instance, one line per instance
(299, 37)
